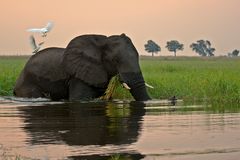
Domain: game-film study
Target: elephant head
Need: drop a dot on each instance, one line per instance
(94, 59)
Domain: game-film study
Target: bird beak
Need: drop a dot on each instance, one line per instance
(41, 43)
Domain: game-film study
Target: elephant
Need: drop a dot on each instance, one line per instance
(82, 70)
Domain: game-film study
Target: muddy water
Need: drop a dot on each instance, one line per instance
(40, 129)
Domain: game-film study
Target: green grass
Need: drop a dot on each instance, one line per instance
(10, 68)
(191, 78)
(188, 78)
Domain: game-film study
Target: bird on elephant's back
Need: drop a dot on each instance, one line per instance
(83, 69)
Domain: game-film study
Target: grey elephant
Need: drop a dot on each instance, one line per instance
(82, 70)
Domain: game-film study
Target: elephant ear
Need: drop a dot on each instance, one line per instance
(85, 63)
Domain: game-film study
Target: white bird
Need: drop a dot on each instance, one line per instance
(33, 44)
(43, 30)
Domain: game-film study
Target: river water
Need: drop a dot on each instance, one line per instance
(41, 129)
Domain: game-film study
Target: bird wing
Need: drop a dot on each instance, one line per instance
(35, 30)
(32, 42)
(49, 26)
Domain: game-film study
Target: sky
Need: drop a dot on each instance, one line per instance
(159, 20)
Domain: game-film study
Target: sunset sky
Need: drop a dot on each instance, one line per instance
(159, 20)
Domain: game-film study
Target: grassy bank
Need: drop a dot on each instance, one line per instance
(10, 68)
(189, 78)
(192, 78)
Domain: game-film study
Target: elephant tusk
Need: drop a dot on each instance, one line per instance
(126, 86)
(149, 86)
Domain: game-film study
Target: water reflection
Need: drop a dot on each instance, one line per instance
(83, 124)
(120, 130)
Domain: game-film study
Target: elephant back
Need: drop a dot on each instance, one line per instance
(47, 64)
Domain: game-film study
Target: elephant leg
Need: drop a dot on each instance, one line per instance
(78, 90)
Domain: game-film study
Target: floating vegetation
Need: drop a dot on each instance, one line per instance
(113, 84)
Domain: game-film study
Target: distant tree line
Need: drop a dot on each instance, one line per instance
(201, 47)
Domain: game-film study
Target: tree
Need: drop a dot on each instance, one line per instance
(174, 46)
(235, 52)
(203, 48)
(152, 47)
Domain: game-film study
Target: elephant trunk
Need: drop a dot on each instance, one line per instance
(136, 84)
